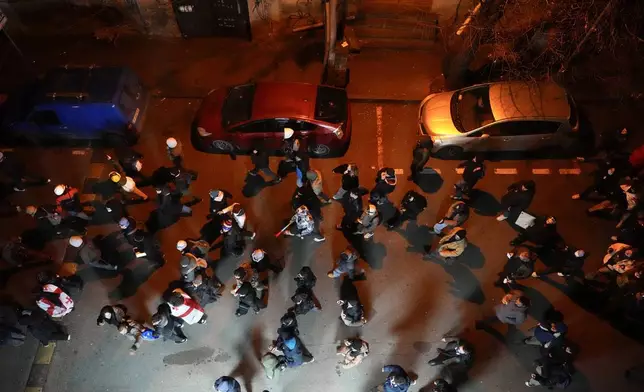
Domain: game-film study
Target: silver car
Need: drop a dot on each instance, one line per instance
(504, 116)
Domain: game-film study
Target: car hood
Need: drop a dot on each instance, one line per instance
(436, 115)
(209, 113)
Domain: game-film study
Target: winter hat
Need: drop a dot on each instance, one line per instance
(290, 343)
(257, 255)
(59, 189)
(171, 142)
(225, 384)
(288, 133)
(76, 241)
(226, 225)
(124, 223)
(187, 265)
(181, 245)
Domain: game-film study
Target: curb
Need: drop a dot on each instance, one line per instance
(40, 368)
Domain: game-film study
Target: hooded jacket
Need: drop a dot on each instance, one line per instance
(511, 313)
(413, 203)
(450, 246)
(517, 198)
(395, 370)
(348, 181)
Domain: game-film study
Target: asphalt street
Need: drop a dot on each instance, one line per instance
(410, 303)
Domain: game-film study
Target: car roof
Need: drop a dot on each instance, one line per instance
(284, 100)
(87, 84)
(524, 100)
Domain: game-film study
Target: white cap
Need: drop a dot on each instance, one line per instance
(181, 245)
(288, 133)
(171, 142)
(59, 190)
(257, 255)
(580, 253)
(124, 223)
(76, 241)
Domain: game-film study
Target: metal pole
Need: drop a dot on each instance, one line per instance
(333, 27)
(327, 31)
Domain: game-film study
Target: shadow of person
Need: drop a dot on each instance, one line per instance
(465, 285)
(253, 185)
(483, 203)
(373, 253)
(417, 237)
(429, 181)
(132, 280)
(246, 368)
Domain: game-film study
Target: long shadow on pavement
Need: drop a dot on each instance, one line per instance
(483, 203)
(429, 181)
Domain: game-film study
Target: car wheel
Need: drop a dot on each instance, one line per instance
(222, 146)
(450, 152)
(320, 150)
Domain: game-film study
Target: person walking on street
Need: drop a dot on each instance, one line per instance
(233, 242)
(397, 380)
(186, 308)
(353, 206)
(569, 263)
(303, 302)
(450, 246)
(127, 185)
(90, 254)
(294, 351)
(302, 162)
(441, 385)
(204, 289)
(247, 299)
(420, 157)
(315, 179)
(554, 369)
(473, 171)
(346, 264)
(386, 181)
(182, 180)
(513, 310)
(353, 351)
(304, 225)
(368, 222)
(604, 186)
(54, 300)
(517, 199)
(456, 352)
(352, 311)
(68, 201)
(42, 327)
(174, 150)
(542, 233)
(218, 201)
(457, 214)
(350, 179)
(246, 273)
(130, 162)
(261, 262)
(238, 214)
(16, 171)
(226, 384)
(550, 333)
(411, 205)
(49, 221)
(520, 265)
(259, 158)
(168, 326)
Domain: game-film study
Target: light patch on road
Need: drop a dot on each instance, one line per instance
(381, 159)
(44, 354)
(541, 171)
(79, 152)
(399, 171)
(505, 171)
(459, 170)
(6, 149)
(575, 172)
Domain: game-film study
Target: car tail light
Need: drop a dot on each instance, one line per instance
(338, 132)
(203, 132)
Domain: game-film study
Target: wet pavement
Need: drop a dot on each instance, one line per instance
(410, 303)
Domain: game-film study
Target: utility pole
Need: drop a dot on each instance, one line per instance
(335, 56)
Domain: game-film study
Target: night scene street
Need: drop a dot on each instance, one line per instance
(321, 195)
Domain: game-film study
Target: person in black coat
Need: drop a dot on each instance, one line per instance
(473, 171)
(386, 181)
(420, 157)
(520, 265)
(219, 200)
(42, 327)
(232, 243)
(288, 325)
(605, 184)
(113, 315)
(441, 385)
(10, 332)
(305, 279)
(542, 233)
(352, 310)
(167, 326)
(304, 298)
(203, 289)
(456, 352)
(412, 204)
(259, 158)
(569, 262)
(247, 300)
(353, 206)
(350, 179)
(517, 199)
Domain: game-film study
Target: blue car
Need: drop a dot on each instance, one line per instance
(69, 105)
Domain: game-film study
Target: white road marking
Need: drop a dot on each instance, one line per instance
(399, 171)
(505, 171)
(459, 170)
(541, 171)
(381, 160)
(6, 149)
(570, 171)
(79, 152)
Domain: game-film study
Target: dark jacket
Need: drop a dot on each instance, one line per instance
(305, 279)
(348, 181)
(216, 206)
(167, 331)
(206, 293)
(346, 262)
(472, 171)
(542, 234)
(517, 198)
(511, 313)
(395, 370)
(415, 206)
(259, 158)
(117, 312)
(265, 265)
(40, 325)
(454, 356)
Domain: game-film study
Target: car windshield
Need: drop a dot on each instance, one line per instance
(471, 109)
(331, 105)
(238, 105)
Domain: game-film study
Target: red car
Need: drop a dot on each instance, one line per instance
(241, 118)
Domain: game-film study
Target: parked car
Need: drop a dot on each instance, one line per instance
(504, 116)
(105, 104)
(240, 118)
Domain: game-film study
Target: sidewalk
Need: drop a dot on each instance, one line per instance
(191, 68)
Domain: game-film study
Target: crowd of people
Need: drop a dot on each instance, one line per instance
(616, 190)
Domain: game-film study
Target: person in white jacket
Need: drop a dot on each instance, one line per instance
(187, 309)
